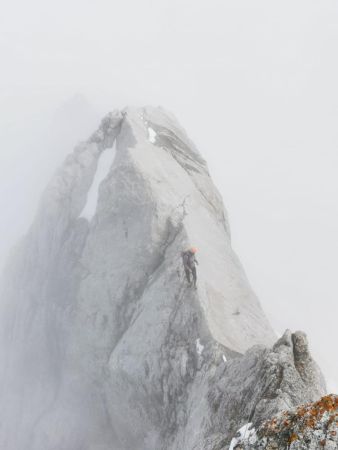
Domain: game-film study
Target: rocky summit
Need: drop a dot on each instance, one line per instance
(104, 345)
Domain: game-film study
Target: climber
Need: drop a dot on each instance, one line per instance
(189, 264)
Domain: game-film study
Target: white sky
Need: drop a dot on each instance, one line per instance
(253, 82)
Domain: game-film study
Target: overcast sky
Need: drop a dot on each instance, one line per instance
(253, 82)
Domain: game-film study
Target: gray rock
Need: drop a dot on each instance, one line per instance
(103, 344)
(256, 386)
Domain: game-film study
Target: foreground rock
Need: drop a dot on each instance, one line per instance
(103, 345)
(313, 426)
(255, 387)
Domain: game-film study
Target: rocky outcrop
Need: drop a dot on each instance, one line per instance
(103, 344)
(312, 426)
(259, 384)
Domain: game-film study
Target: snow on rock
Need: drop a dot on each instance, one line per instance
(99, 332)
(199, 346)
(152, 135)
(104, 164)
(247, 432)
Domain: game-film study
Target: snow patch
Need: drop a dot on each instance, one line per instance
(224, 358)
(199, 346)
(152, 135)
(246, 432)
(104, 164)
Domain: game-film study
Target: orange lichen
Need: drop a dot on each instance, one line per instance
(305, 417)
(293, 437)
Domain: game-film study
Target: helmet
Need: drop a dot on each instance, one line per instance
(193, 250)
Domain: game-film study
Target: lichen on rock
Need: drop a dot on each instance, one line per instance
(312, 426)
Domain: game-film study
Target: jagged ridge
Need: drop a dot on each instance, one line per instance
(101, 322)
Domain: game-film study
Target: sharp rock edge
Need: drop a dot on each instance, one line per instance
(103, 345)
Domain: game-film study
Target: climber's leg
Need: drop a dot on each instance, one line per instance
(187, 274)
(194, 275)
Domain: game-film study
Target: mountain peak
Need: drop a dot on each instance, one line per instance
(118, 350)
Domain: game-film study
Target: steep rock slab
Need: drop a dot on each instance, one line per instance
(38, 292)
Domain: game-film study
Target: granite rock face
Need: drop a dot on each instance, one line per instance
(103, 344)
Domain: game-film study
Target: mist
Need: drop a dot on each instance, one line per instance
(254, 83)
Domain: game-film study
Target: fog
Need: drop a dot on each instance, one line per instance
(253, 83)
